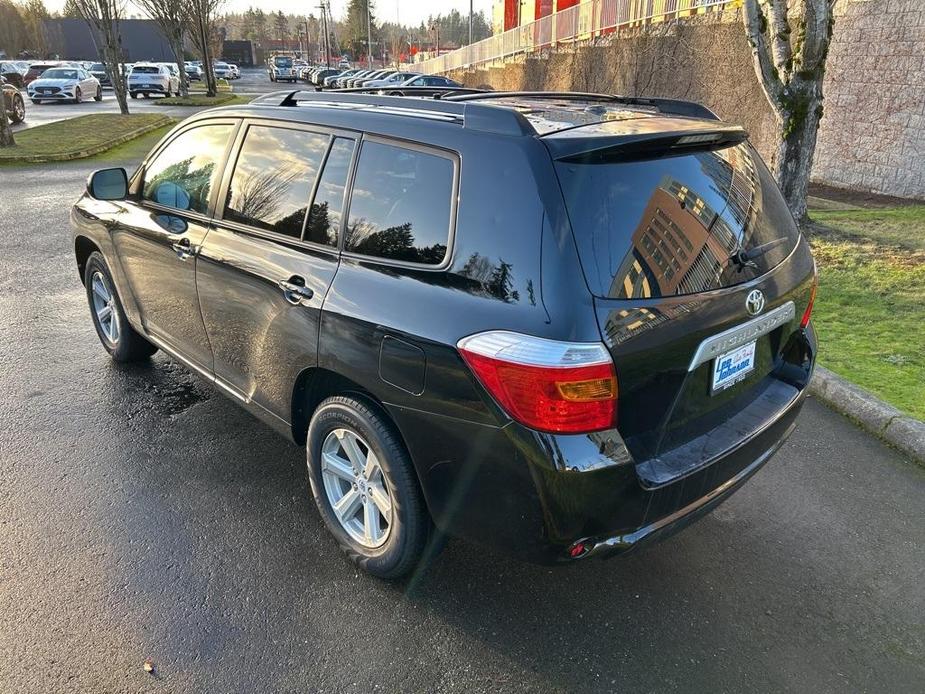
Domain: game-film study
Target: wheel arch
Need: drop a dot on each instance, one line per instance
(83, 249)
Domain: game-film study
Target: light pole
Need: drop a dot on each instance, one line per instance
(470, 22)
(369, 39)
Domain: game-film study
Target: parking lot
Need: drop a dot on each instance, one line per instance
(144, 516)
(252, 81)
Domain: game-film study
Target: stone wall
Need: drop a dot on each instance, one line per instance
(872, 134)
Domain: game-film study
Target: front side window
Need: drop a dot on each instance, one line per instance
(183, 174)
(401, 203)
(273, 178)
(324, 220)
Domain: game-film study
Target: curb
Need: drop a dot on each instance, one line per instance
(901, 431)
(89, 152)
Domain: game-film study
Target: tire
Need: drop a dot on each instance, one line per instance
(402, 545)
(77, 95)
(134, 95)
(19, 110)
(124, 343)
(36, 101)
(99, 94)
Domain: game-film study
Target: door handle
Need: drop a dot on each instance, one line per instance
(295, 291)
(183, 248)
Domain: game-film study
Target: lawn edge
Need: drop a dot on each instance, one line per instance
(224, 96)
(91, 151)
(901, 431)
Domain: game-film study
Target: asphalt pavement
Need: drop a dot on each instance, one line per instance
(145, 516)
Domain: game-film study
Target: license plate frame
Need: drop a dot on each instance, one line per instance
(732, 367)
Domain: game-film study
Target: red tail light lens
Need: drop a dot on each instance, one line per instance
(809, 307)
(558, 387)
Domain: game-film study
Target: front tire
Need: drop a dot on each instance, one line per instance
(365, 487)
(19, 110)
(77, 96)
(99, 94)
(119, 338)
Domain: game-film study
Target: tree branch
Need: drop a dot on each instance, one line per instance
(779, 29)
(756, 26)
(817, 33)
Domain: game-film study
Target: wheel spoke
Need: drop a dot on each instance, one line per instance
(338, 466)
(349, 443)
(347, 506)
(114, 328)
(381, 498)
(372, 465)
(104, 313)
(371, 526)
(100, 290)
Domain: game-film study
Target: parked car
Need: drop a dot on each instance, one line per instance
(13, 73)
(222, 70)
(392, 80)
(65, 84)
(235, 71)
(371, 77)
(332, 80)
(15, 106)
(430, 81)
(152, 78)
(36, 70)
(193, 72)
(560, 325)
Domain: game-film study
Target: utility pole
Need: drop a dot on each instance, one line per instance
(324, 28)
(369, 39)
(470, 22)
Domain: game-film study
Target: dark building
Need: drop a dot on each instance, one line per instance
(241, 53)
(141, 40)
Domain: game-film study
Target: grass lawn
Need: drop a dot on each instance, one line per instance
(203, 100)
(67, 139)
(133, 150)
(870, 305)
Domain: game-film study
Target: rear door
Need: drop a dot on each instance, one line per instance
(698, 331)
(267, 264)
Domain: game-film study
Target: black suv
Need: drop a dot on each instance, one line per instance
(561, 325)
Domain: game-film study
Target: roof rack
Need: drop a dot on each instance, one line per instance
(676, 107)
(482, 117)
(435, 92)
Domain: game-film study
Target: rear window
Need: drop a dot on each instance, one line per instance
(145, 70)
(97, 67)
(670, 226)
(283, 62)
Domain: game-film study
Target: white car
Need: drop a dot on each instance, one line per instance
(65, 84)
(235, 71)
(222, 70)
(152, 78)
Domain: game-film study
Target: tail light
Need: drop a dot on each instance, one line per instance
(547, 385)
(809, 307)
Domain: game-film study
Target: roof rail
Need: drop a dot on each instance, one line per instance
(677, 107)
(482, 117)
(435, 92)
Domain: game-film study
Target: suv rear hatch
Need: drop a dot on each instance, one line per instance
(677, 223)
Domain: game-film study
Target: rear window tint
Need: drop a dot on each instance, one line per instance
(670, 226)
(401, 203)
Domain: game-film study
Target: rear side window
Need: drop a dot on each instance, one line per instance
(670, 226)
(401, 204)
(273, 178)
(324, 220)
(183, 174)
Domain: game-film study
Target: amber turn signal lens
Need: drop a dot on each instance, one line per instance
(588, 391)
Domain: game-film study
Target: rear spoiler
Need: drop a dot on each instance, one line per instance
(592, 147)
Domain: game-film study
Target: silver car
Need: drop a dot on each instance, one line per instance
(65, 84)
(152, 78)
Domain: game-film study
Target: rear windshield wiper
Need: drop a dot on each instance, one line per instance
(745, 259)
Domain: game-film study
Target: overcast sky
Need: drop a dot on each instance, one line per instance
(408, 11)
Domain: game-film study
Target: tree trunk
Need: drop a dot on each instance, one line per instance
(177, 43)
(798, 119)
(113, 62)
(6, 130)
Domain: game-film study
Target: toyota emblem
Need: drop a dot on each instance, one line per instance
(754, 302)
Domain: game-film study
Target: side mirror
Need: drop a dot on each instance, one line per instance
(108, 184)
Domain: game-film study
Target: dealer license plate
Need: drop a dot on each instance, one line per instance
(733, 366)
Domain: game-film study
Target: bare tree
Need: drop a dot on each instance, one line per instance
(6, 131)
(102, 16)
(171, 18)
(790, 66)
(200, 17)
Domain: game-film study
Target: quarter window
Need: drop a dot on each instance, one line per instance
(273, 178)
(324, 220)
(183, 174)
(400, 205)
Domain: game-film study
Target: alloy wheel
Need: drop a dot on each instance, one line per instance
(355, 486)
(104, 307)
(19, 110)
